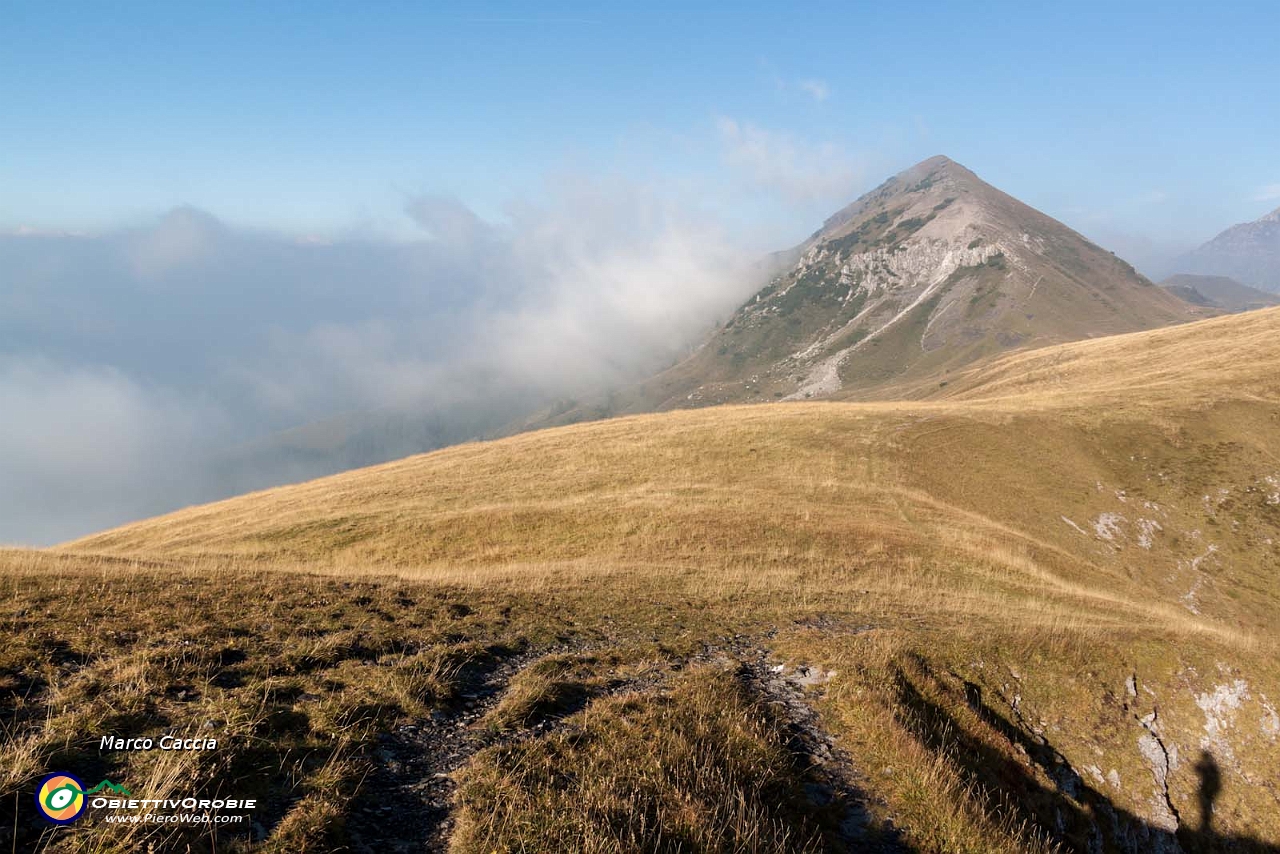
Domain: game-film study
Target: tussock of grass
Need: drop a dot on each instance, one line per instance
(549, 687)
(703, 768)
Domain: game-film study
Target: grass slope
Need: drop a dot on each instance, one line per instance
(1037, 613)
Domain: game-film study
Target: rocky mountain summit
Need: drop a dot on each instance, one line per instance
(932, 270)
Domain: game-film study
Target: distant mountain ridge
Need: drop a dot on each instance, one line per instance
(1218, 292)
(1248, 252)
(931, 271)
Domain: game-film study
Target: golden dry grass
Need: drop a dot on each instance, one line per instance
(1224, 358)
(1076, 515)
(706, 770)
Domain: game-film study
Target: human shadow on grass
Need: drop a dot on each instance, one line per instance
(1071, 813)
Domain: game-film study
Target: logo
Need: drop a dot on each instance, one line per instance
(61, 796)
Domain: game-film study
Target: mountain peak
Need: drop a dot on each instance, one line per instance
(937, 163)
(1274, 216)
(935, 179)
(942, 171)
(940, 166)
(923, 275)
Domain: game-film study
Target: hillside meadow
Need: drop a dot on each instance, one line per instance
(1035, 611)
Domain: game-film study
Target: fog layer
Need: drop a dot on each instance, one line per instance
(153, 367)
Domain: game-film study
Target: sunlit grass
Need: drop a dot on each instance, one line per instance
(921, 550)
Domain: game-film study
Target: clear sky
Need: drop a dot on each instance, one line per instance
(1155, 122)
(413, 223)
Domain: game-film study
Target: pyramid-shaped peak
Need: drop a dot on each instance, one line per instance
(928, 182)
(938, 168)
(938, 161)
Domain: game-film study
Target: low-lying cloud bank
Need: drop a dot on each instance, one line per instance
(154, 367)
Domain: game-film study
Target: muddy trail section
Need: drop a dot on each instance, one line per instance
(406, 803)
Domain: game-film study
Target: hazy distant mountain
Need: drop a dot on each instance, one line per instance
(1248, 252)
(929, 272)
(1218, 292)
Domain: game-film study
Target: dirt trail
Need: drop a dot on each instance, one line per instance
(832, 778)
(406, 802)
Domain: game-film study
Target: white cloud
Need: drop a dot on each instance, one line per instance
(183, 236)
(135, 359)
(801, 172)
(817, 89)
(87, 447)
(1269, 193)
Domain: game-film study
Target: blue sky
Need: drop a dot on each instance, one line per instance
(221, 220)
(1152, 122)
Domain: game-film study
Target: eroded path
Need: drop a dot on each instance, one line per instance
(407, 802)
(832, 779)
